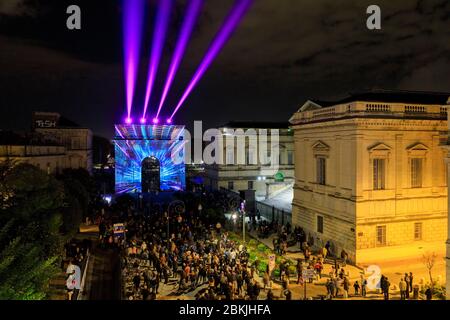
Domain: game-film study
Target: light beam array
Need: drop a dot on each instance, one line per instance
(159, 35)
(133, 19)
(133, 16)
(221, 38)
(185, 34)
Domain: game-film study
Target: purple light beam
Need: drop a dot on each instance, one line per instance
(132, 31)
(224, 34)
(185, 34)
(159, 35)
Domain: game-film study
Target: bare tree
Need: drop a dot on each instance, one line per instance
(429, 260)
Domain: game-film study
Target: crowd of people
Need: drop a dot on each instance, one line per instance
(195, 255)
(192, 256)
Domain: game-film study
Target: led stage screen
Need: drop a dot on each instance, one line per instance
(149, 158)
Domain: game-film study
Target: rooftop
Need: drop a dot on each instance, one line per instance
(376, 104)
(256, 125)
(393, 96)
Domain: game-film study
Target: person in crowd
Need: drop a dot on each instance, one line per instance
(386, 286)
(318, 267)
(299, 268)
(406, 279)
(402, 287)
(411, 277)
(363, 286)
(346, 287)
(344, 257)
(429, 294)
(356, 286)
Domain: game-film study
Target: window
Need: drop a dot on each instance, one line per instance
(75, 143)
(418, 231)
(416, 173)
(321, 170)
(379, 174)
(250, 185)
(230, 185)
(320, 224)
(251, 157)
(290, 156)
(230, 157)
(381, 235)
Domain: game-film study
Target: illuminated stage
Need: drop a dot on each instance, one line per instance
(149, 158)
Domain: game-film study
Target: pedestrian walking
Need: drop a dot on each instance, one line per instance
(402, 286)
(411, 282)
(356, 286)
(363, 286)
(387, 284)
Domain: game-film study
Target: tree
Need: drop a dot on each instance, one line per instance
(30, 240)
(429, 260)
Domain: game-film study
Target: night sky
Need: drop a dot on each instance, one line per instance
(283, 52)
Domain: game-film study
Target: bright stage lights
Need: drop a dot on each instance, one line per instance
(136, 143)
(185, 34)
(132, 29)
(228, 27)
(132, 32)
(159, 35)
(128, 120)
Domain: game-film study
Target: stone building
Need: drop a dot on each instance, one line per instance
(76, 139)
(26, 148)
(247, 170)
(447, 253)
(54, 144)
(370, 170)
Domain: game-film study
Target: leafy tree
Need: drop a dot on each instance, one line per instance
(30, 238)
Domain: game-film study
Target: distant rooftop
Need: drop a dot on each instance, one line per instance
(49, 120)
(256, 125)
(412, 105)
(393, 96)
(66, 123)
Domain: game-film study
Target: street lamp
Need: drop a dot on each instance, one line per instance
(243, 219)
(200, 209)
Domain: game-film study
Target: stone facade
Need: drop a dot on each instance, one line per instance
(370, 171)
(250, 175)
(446, 147)
(55, 144)
(52, 159)
(77, 143)
(76, 140)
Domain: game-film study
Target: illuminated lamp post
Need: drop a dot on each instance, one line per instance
(243, 219)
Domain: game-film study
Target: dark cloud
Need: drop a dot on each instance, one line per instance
(282, 53)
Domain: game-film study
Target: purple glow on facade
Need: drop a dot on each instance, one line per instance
(185, 34)
(224, 34)
(143, 120)
(133, 16)
(128, 120)
(155, 120)
(159, 35)
(169, 121)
